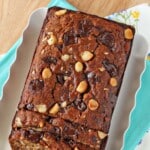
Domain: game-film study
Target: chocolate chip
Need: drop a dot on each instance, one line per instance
(83, 76)
(93, 139)
(70, 38)
(69, 141)
(50, 60)
(65, 129)
(67, 73)
(49, 119)
(60, 78)
(75, 125)
(113, 99)
(111, 68)
(36, 85)
(57, 137)
(29, 106)
(60, 47)
(93, 77)
(19, 128)
(80, 105)
(33, 136)
(84, 27)
(96, 30)
(56, 131)
(107, 39)
(97, 78)
(90, 75)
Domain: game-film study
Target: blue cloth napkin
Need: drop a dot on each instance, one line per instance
(6, 62)
(61, 3)
(140, 115)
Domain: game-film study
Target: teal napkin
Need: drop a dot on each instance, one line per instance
(6, 62)
(140, 115)
(61, 3)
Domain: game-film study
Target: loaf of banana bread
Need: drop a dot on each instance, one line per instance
(74, 81)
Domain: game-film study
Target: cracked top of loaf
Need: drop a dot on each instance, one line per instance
(77, 68)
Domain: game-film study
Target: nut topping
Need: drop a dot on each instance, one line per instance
(46, 73)
(45, 139)
(106, 89)
(78, 66)
(85, 96)
(128, 34)
(42, 51)
(113, 82)
(87, 55)
(54, 110)
(66, 78)
(60, 12)
(76, 148)
(41, 108)
(18, 122)
(82, 87)
(33, 72)
(41, 124)
(64, 104)
(101, 134)
(101, 69)
(106, 53)
(93, 104)
(52, 40)
(65, 57)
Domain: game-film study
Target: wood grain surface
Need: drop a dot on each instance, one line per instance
(14, 14)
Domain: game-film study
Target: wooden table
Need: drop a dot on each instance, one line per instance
(14, 14)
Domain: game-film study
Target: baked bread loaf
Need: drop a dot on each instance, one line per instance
(73, 82)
